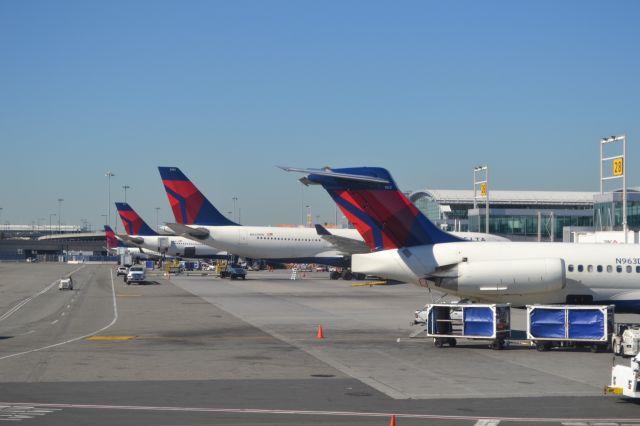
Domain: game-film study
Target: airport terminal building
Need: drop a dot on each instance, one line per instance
(518, 215)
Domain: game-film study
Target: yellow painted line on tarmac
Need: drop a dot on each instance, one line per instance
(370, 283)
(128, 295)
(110, 338)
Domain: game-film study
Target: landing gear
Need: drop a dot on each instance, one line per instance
(441, 341)
(346, 274)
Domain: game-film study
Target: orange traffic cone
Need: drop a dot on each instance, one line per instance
(393, 421)
(320, 334)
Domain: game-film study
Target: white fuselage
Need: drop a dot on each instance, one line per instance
(289, 243)
(518, 272)
(177, 246)
(285, 244)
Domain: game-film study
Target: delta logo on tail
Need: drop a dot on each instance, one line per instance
(372, 202)
(189, 205)
(112, 241)
(133, 223)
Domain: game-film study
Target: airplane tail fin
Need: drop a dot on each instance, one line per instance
(132, 222)
(112, 241)
(372, 202)
(189, 205)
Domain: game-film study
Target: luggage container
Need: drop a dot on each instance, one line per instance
(447, 322)
(550, 326)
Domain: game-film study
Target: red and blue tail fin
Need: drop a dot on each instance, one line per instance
(133, 223)
(112, 241)
(189, 205)
(372, 202)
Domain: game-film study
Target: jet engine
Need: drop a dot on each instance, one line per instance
(502, 277)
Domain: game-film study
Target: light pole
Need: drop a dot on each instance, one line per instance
(157, 212)
(109, 175)
(125, 187)
(50, 216)
(234, 207)
(619, 166)
(484, 192)
(60, 200)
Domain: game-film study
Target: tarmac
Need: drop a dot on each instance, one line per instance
(195, 350)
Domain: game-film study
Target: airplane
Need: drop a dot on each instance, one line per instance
(116, 245)
(199, 220)
(407, 246)
(141, 235)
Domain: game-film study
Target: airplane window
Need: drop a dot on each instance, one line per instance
(629, 268)
(590, 268)
(609, 268)
(619, 268)
(580, 268)
(570, 268)
(599, 268)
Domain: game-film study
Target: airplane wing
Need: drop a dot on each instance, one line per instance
(197, 234)
(345, 245)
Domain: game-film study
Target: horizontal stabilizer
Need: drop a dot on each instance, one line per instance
(330, 173)
(134, 240)
(344, 245)
(187, 231)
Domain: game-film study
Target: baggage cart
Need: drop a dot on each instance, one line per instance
(550, 326)
(447, 322)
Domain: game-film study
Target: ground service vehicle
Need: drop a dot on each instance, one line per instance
(233, 273)
(447, 322)
(625, 380)
(626, 340)
(66, 284)
(122, 270)
(136, 274)
(551, 326)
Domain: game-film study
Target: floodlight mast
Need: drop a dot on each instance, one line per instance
(483, 192)
(619, 172)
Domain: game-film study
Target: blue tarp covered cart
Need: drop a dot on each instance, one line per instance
(447, 322)
(570, 325)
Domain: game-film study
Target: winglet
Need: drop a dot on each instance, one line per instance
(321, 230)
(189, 205)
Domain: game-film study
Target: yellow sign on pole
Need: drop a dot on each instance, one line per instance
(483, 189)
(618, 167)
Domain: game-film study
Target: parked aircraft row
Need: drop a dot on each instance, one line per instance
(215, 235)
(394, 240)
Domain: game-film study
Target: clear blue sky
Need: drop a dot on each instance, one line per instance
(227, 90)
